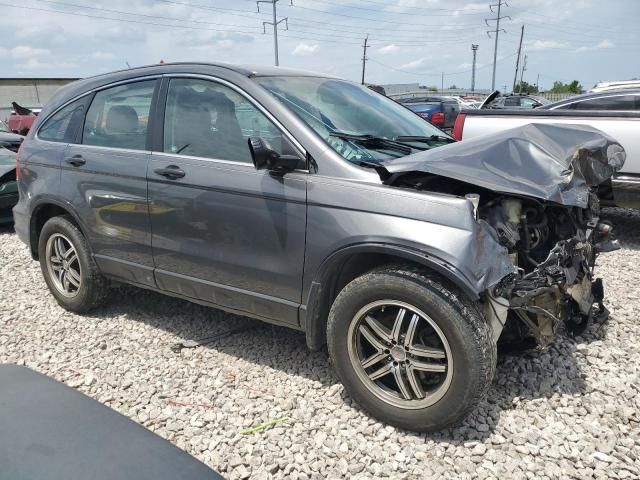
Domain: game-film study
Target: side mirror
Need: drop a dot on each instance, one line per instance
(264, 156)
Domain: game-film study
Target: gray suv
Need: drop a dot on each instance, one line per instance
(317, 204)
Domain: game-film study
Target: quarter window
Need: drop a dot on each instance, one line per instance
(206, 119)
(118, 116)
(63, 125)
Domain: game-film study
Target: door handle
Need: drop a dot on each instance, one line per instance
(76, 160)
(172, 172)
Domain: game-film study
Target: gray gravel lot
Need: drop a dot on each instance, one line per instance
(571, 411)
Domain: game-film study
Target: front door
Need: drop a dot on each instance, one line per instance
(222, 231)
(104, 178)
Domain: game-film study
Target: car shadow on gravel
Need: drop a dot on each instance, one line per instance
(626, 226)
(525, 377)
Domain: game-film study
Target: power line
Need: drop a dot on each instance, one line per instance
(432, 74)
(496, 33)
(275, 24)
(86, 15)
(455, 12)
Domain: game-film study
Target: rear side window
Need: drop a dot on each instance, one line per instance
(512, 102)
(63, 125)
(619, 102)
(118, 116)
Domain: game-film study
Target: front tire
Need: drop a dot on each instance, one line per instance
(68, 268)
(410, 350)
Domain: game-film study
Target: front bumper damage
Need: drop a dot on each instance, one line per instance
(534, 188)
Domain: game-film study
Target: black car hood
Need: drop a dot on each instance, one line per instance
(551, 162)
(490, 98)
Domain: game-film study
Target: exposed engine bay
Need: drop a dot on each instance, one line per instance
(553, 249)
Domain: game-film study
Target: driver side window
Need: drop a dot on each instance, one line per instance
(210, 120)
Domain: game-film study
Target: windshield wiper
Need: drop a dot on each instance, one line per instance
(374, 142)
(424, 139)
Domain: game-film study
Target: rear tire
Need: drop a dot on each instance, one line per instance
(68, 267)
(411, 350)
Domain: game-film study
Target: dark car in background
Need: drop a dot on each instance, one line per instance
(9, 139)
(437, 110)
(627, 100)
(8, 186)
(317, 204)
(514, 101)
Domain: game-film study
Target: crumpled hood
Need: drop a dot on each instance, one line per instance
(557, 163)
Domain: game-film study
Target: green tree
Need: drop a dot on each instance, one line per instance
(525, 87)
(559, 87)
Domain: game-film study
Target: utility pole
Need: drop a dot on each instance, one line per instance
(364, 55)
(442, 83)
(524, 67)
(496, 32)
(537, 80)
(474, 49)
(515, 76)
(275, 24)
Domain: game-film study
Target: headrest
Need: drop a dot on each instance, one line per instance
(121, 119)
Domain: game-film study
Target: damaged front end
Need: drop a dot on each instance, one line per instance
(535, 187)
(554, 250)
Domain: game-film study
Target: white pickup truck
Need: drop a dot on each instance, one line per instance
(622, 190)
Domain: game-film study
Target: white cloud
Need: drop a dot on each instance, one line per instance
(413, 64)
(23, 51)
(102, 55)
(604, 44)
(387, 49)
(304, 50)
(538, 45)
(35, 64)
(469, 66)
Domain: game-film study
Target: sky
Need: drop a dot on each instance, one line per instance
(411, 41)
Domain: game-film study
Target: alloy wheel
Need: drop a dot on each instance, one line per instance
(400, 354)
(63, 265)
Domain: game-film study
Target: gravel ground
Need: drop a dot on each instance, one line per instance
(572, 411)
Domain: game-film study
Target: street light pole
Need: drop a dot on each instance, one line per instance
(474, 49)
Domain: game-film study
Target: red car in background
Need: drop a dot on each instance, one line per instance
(21, 119)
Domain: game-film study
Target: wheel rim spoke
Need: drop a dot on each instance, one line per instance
(65, 282)
(381, 372)
(428, 352)
(58, 247)
(70, 253)
(402, 384)
(397, 325)
(372, 338)
(411, 331)
(415, 383)
(373, 359)
(429, 367)
(73, 277)
(380, 330)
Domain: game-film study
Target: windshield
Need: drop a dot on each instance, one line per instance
(4, 127)
(340, 111)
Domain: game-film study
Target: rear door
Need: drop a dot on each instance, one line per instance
(224, 232)
(104, 178)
